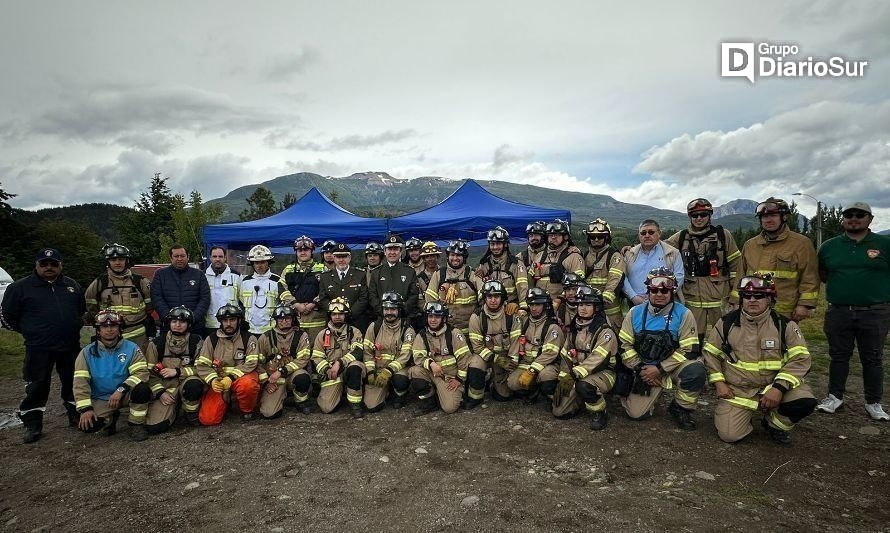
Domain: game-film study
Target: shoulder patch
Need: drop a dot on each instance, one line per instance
(459, 335)
(554, 334)
(409, 336)
(607, 336)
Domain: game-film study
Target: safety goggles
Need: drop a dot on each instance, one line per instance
(497, 235)
(660, 290)
(755, 282)
(855, 214)
(700, 214)
(661, 281)
(644, 232)
(492, 286)
(116, 250)
(768, 208)
(303, 244)
(535, 227)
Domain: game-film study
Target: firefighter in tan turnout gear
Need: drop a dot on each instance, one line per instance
(604, 267)
(658, 337)
(430, 255)
(109, 374)
(337, 356)
(441, 356)
(492, 331)
(569, 307)
(788, 256)
(456, 285)
(173, 377)
(284, 357)
(499, 264)
(561, 257)
(533, 255)
(387, 355)
(710, 256)
(414, 255)
(532, 360)
(757, 361)
(125, 293)
(586, 359)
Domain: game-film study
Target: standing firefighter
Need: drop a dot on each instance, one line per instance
(604, 267)
(456, 286)
(261, 290)
(301, 278)
(284, 357)
(388, 355)
(173, 376)
(441, 356)
(430, 255)
(533, 255)
(413, 250)
(657, 339)
(757, 360)
(124, 292)
(709, 257)
(227, 362)
(585, 372)
(532, 358)
(492, 331)
(337, 356)
(109, 374)
(561, 257)
(500, 265)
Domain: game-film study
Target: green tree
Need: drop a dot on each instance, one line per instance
(5, 208)
(80, 247)
(189, 218)
(289, 200)
(261, 204)
(141, 231)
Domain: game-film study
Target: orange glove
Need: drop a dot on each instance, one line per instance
(512, 308)
(527, 378)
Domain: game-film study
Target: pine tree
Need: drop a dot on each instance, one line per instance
(261, 204)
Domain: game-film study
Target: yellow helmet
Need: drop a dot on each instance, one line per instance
(338, 305)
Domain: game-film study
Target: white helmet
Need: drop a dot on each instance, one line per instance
(259, 253)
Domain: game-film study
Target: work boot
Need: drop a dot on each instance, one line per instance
(73, 416)
(780, 437)
(246, 417)
(599, 420)
(426, 406)
(682, 417)
(111, 428)
(33, 422)
(356, 410)
(191, 418)
(470, 403)
(138, 433)
(398, 402)
(304, 407)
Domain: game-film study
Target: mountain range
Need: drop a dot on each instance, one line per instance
(379, 194)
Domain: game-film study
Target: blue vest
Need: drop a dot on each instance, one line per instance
(109, 367)
(657, 322)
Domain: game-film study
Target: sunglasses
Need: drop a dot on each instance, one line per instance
(48, 263)
(660, 290)
(753, 296)
(699, 215)
(648, 232)
(855, 214)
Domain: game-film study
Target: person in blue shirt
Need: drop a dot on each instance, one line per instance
(109, 374)
(650, 254)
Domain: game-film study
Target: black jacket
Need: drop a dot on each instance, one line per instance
(171, 287)
(48, 315)
(401, 279)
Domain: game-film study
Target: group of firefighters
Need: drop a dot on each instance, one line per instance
(552, 322)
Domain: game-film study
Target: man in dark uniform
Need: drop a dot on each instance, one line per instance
(394, 276)
(346, 282)
(46, 308)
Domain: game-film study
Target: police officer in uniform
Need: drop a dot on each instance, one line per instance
(499, 264)
(456, 285)
(301, 278)
(604, 267)
(284, 359)
(586, 357)
(387, 355)
(173, 376)
(394, 276)
(492, 331)
(346, 282)
(757, 361)
(532, 361)
(441, 357)
(657, 339)
(337, 357)
(124, 292)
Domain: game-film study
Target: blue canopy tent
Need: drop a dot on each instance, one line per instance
(313, 215)
(469, 213)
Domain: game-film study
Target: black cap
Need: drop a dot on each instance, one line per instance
(48, 253)
(394, 240)
(341, 249)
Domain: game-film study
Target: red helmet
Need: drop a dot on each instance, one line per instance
(698, 205)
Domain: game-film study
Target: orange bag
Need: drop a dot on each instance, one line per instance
(213, 408)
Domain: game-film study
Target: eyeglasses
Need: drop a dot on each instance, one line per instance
(48, 263)
(660, 290)
(753, 296)
(644, 232)
(855, 214)
(700, 215)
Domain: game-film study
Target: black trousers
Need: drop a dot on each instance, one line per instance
(867, 329)
(38, 372)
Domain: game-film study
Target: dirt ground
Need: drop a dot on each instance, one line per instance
(504, 467)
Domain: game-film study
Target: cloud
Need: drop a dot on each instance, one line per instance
(284, 68)
(832, 150)
(280, 139)
(139, 116)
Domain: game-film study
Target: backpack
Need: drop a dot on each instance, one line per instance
(548, 323)
(483, 318)
(105, 283)
(161, 344)
(733, 318)
(378, 325)
(449, 342)
(466, 279)
(511, 260)
(721, 238)
(295, 341)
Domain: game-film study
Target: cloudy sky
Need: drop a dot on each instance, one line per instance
(589, 96)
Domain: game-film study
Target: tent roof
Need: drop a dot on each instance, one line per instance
(313, 214)
(469, 213)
